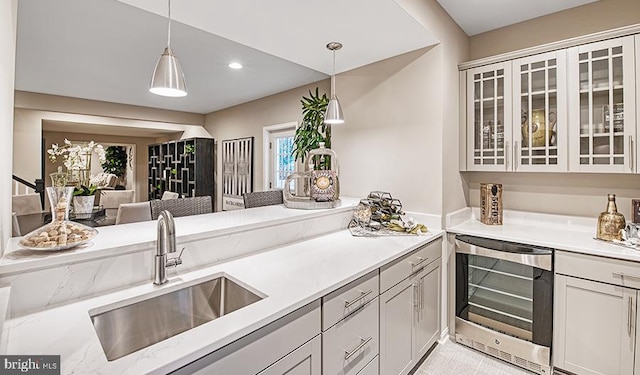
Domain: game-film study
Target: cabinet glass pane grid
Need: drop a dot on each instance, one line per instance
(501, 295)
(489, 121)
(539, 85)
(601, 108)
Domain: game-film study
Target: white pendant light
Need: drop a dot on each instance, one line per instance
(333, 114)
(168, 78)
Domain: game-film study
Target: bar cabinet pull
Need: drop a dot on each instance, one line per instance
(506, 155)
(348, 354)
(415, 295)
(361, 296)
(630, 313)
(420, 259)
(622, 275)
(515, 155)
(631, 153)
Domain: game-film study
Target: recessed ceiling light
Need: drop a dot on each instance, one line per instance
(235, 65)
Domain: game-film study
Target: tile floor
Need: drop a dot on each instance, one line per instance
(451, 358)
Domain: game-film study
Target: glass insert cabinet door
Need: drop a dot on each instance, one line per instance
(540, 113)
(602, 106)
(488, 110)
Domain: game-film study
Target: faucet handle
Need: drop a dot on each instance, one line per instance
(175, 262)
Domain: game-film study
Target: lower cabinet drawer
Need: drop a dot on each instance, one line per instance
(371, 368)
(398, 270)
(344, 301)
(352, 343)
(610, 271)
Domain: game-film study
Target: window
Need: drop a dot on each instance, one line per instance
(282, 162)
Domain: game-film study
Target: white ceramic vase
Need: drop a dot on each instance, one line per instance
(83, 206)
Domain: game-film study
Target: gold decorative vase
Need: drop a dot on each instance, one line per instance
(611, 223)
(538, 131)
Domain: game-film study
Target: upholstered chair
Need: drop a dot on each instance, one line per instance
(25, 204)
(133, 212)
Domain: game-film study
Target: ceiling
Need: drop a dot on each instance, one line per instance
(478, 16)
(107, 49)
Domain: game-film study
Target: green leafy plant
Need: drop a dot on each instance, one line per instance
(189, 149)
(115, 160)
(84, 190)
(313, 130)
(174, 171)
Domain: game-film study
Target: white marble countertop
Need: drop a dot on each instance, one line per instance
(291, 277)
(120, 239)
(567, 233)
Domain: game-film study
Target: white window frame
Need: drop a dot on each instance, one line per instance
(267, 132)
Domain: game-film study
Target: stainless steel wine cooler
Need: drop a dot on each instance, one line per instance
(504, 300)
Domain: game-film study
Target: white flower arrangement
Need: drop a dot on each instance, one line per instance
(78, 156)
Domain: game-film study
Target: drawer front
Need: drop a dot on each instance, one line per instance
(371, 368)
(606, 270)
(352, 343)
(264, 346)
(344, 301)
(400, 269)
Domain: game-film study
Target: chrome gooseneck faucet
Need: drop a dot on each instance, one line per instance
(166, 243)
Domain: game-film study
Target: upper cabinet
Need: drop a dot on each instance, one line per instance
(602, 106)
(570, 109)
(540, 113)
(488, 105)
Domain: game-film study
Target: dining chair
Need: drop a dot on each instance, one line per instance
(133, 212)
(110, 200)
(15, 226)
(182, 206)
(170, 195)
(24, 204)
(262, 198)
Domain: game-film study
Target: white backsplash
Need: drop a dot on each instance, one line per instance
(44, 288)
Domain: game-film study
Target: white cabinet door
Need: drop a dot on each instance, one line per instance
(397, 307)
(602, 112)
(303, 361)
(594, 327)
(540, 113)
(427, 327)
(489, 117)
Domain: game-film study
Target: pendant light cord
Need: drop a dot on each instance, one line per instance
(333, 77)
(169, 32)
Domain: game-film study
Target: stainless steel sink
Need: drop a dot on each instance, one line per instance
(125, 329)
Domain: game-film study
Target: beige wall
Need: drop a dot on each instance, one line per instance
(392, 136)
(140, 185)
(66, 104)
(576, 194)
(399, 113)
(562, 193)
(391, 139)
(455, 47)
(598, 16)
(8, 21)
(247, 120)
